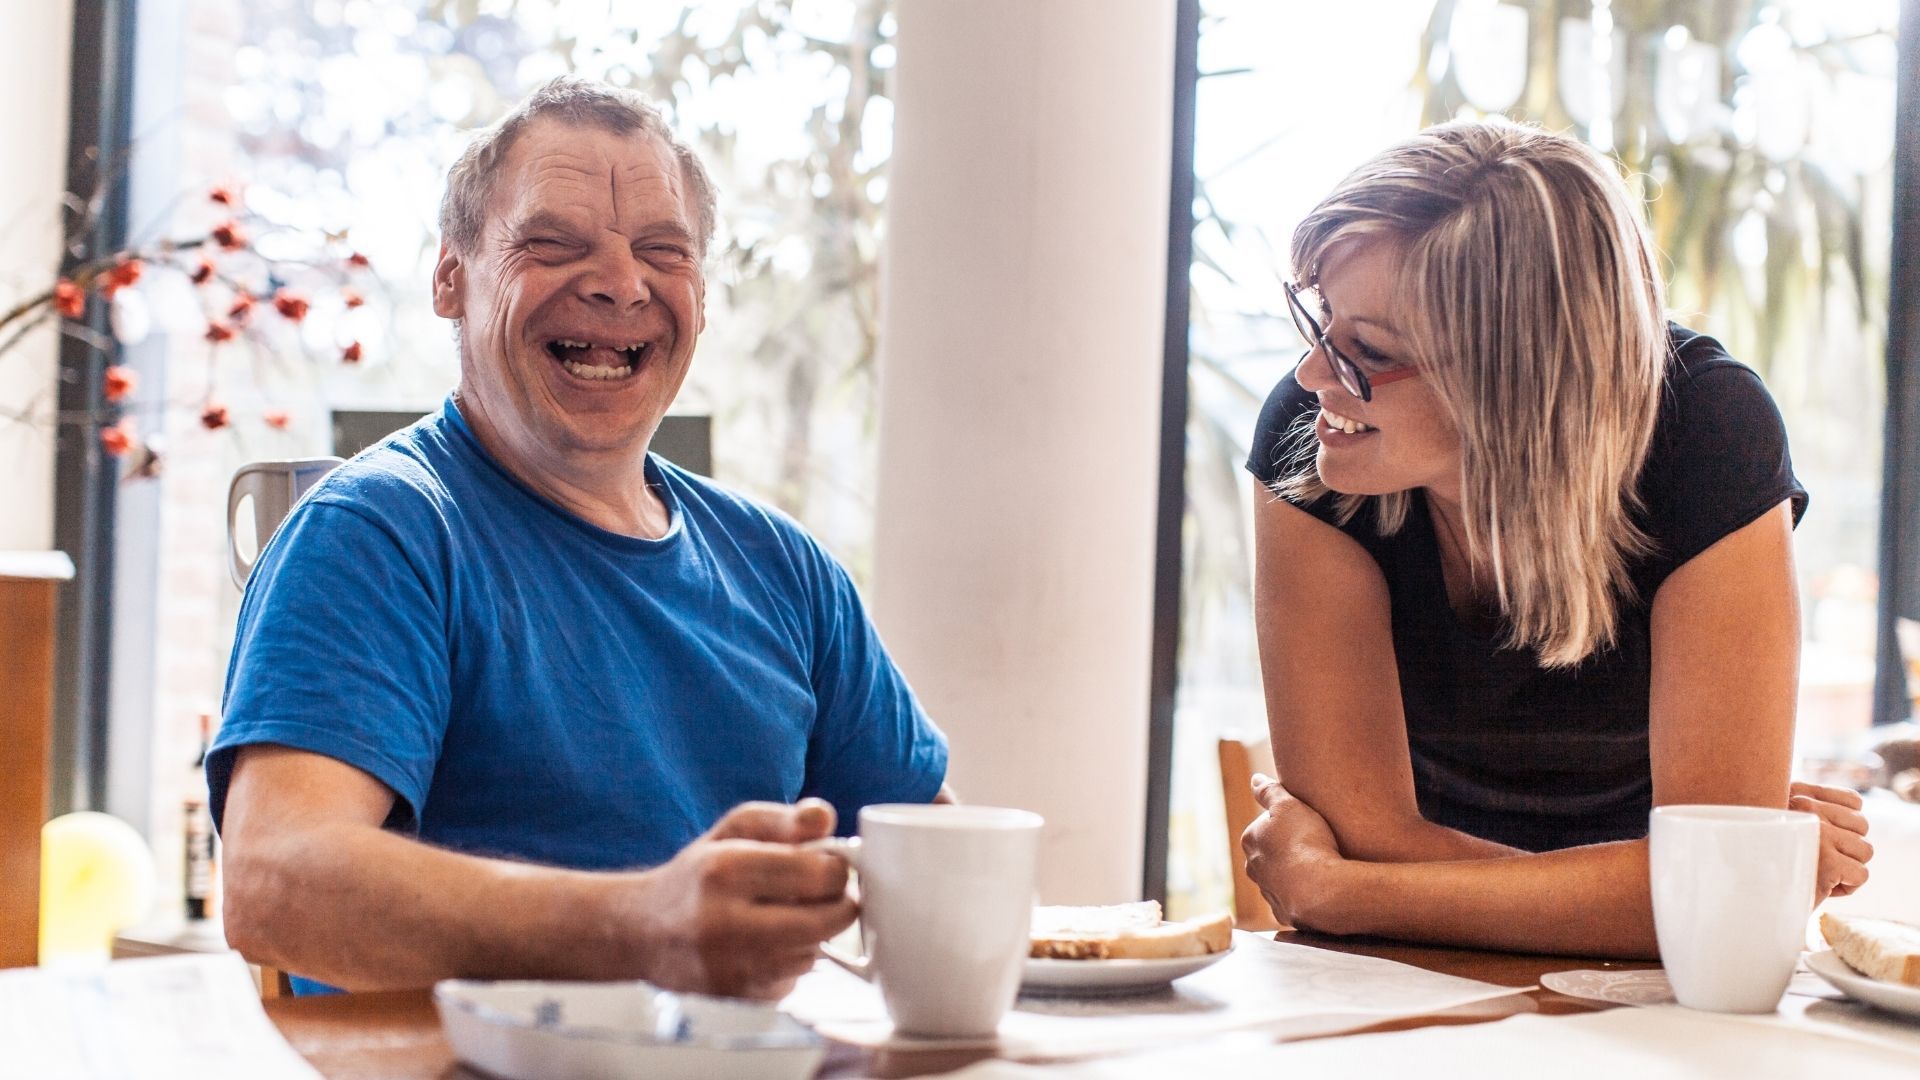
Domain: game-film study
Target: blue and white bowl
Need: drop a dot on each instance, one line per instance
(602, 1031)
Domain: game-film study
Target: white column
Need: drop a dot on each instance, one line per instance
(1024, 302)
(35, 47)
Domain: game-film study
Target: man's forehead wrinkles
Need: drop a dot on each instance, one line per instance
(582, 185)
(554, 193)
(640, 197)
(633, 183)
(564, 166)
(644, 172)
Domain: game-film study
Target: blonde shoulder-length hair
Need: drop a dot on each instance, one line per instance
(1537, 315)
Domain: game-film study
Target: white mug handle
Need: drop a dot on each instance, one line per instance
(847, 848)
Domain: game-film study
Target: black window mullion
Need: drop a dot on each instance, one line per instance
(1171, 506)
(1900, 494)
(84, 476)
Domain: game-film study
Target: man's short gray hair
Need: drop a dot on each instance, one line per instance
(569, 100)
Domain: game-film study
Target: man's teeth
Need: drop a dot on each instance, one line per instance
(1341, 423)
(625, 368)
(595, 371)
(590, 345)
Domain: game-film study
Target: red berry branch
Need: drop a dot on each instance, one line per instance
(233, 279)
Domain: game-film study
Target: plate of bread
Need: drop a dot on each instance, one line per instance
(1874, 960)
(1119, 949)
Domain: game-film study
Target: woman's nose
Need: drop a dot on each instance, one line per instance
(1313, 372)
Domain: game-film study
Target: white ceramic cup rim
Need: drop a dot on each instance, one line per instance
(947, 816)
(1731, 816)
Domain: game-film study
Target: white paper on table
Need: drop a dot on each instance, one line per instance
(195, 1016)
(1655, 1043)
(1280, 989)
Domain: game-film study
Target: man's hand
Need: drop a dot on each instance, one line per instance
(1844, 851)
(1291, 855)
(742, 910)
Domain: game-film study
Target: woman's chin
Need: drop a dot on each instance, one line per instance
(1349, 481)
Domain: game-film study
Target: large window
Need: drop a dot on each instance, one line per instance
(331, 123)
(1759, 133)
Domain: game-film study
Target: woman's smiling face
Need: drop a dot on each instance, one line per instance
(1403, 438)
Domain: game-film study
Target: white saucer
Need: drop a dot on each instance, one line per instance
(1890, 996)
(1101, 978)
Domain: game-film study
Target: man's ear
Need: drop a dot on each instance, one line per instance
(449, 285)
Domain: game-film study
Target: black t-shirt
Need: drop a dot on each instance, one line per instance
(1542, 759)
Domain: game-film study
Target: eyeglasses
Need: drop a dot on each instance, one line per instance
(1356, 381)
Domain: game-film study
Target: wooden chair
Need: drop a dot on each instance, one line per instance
(274, 983)
(1240, 758)
(195, 937)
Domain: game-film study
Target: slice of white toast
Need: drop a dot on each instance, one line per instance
(1876, 948)
(1125, 932)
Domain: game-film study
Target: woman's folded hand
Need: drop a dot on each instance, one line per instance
(1293, 857)
(1844, 851)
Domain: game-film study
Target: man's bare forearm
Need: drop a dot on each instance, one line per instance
(366, 909)
(1586, 901)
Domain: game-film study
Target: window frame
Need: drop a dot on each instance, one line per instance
(100, 106)
(1900, 482)
(1170, 510)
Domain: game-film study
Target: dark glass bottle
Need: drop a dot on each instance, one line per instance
(202, 871)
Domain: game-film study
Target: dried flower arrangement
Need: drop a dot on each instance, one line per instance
(233, 277)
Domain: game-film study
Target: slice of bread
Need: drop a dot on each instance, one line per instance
(1125, 932)
(1876, 948)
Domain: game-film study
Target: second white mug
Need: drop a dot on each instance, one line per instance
(1732, 888)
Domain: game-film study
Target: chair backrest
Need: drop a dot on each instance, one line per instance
(274, 983)
(1240, 758)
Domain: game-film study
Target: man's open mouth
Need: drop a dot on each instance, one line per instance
(596, 361)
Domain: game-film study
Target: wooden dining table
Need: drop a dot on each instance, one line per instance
(396, 1035)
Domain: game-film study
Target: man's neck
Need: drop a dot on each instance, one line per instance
(614, 496)
(607, 489)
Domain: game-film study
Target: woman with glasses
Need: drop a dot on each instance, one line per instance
(1524, 563)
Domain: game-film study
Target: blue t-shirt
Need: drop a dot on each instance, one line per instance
(534, 687)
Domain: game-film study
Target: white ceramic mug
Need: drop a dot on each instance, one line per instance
(946, 911)
(1732, 888)
(274, 486)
